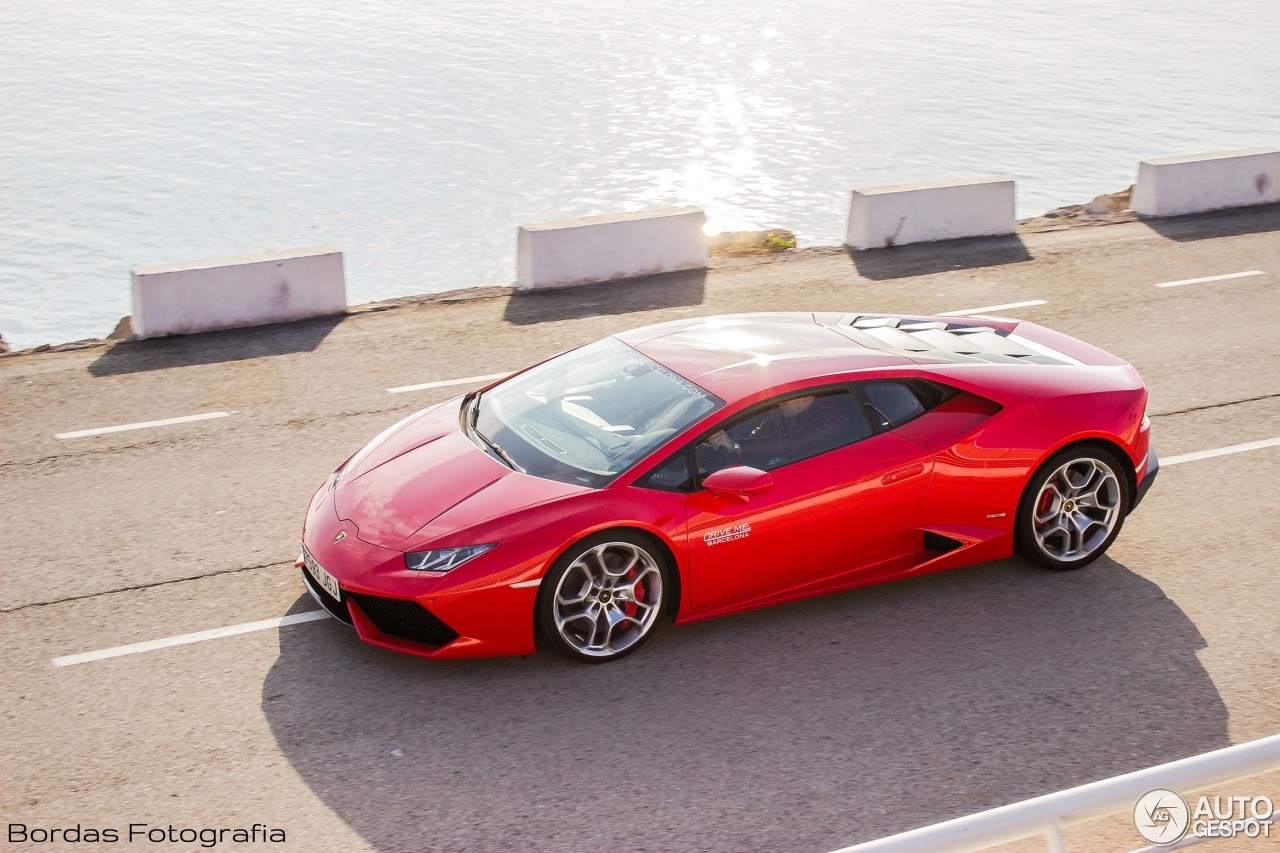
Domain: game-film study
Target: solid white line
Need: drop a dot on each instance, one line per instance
(197, 637)
(968, 311)
(81, 433)
(1221, 451)
(488, 377)
(1210, 278)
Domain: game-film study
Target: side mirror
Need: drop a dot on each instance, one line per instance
(738, 483)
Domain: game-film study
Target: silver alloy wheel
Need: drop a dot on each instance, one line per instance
(608, 598)
(1076, 510)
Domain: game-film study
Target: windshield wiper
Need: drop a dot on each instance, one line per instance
(498, 451)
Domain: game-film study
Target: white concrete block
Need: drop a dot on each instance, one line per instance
(1170, 186)
(937, 210)
(241, 290)
(618, 245)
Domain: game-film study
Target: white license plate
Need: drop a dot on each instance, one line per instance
(327, 581)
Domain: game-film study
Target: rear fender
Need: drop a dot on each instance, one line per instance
(1097, 439)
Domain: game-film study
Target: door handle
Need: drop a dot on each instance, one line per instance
(902, 474)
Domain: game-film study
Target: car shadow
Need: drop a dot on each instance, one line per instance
(1219, 223)
(214, 347)
(929, 258)
(803, 727)
(622, 296)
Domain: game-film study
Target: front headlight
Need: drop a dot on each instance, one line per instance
(443, 560)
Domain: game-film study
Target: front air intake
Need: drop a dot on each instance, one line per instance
(404, 619)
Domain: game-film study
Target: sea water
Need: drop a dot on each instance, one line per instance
(417, 135)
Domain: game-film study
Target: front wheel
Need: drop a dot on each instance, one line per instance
(602, 598)
(1072, 509)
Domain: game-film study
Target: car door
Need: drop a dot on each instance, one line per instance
(844, 490)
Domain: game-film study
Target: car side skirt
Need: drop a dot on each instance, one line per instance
(906, 559)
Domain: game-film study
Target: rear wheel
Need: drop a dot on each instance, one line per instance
(1072, 509)
(602, 598)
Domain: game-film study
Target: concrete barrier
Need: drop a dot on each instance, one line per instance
(241, 290)
(618, 245)
(937, 210)
(1170, 186)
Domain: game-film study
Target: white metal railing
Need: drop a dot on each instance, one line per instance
(1044, 815)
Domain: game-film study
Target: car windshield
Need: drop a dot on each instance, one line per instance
(586, 416)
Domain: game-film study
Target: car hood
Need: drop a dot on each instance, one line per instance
(414, 431)
(433, 489)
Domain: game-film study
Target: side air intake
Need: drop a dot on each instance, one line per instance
(938, 542)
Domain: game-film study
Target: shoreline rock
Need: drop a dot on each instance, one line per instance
(1106, 209)
(738, 243)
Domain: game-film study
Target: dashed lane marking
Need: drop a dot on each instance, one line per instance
(185, 419)
(970, 311)
(444, 383)
(1207, 278)
(313, 615)
(1220, 451)
(197, 637)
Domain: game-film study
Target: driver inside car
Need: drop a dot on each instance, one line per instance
(794, 430)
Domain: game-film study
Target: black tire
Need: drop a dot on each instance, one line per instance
(634, 599)
(1068, 534)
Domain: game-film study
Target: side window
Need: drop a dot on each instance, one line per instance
(672, 475)
(891, 404)
(787, 431)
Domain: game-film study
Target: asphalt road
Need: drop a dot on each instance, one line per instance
(804, 727)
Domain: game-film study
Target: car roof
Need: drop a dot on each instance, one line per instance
(738, 355)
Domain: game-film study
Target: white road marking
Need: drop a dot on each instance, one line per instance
(444, 383)
(526, 584)
(197, 637)
(985, 309)
(1220, 451)
(1210, 278)
(185, 419)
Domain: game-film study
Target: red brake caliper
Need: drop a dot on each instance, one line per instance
(1046, 501)
(631, 608)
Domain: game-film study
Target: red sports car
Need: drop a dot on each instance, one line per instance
(708, 466)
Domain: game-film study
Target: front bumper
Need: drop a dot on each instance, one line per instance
(474, 611)
(1148, 476)
(400, 624)
(337, 609)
